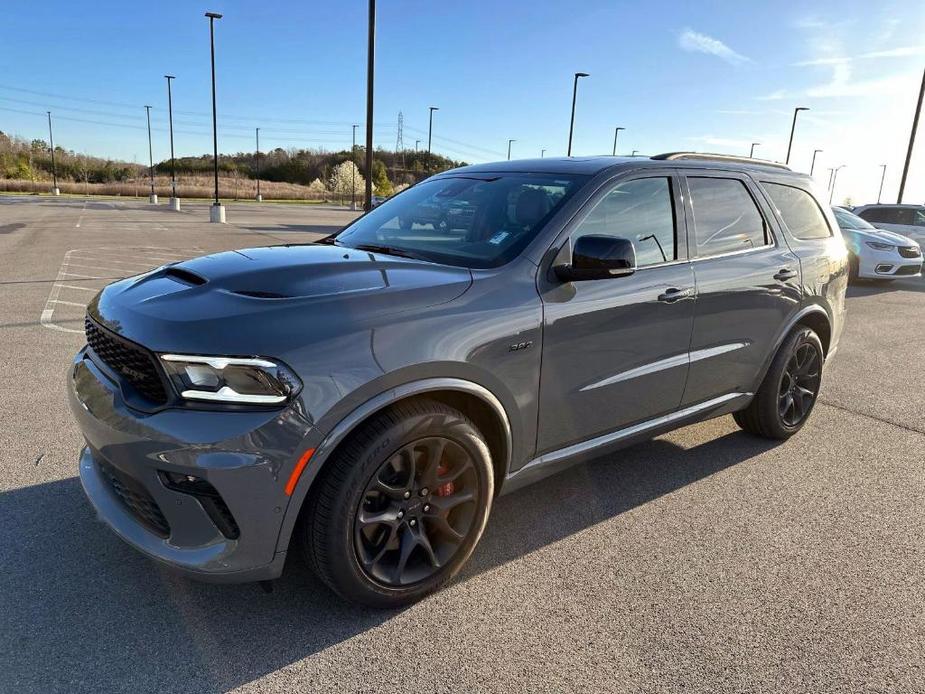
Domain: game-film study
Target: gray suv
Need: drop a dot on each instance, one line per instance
(368, 396)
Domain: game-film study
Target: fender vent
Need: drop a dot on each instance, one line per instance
(254, 294)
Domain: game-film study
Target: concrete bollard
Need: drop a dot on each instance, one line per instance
(152, 198)
(55, 191)
(175, 204)
(217, 214)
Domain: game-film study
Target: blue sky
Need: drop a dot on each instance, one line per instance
(677, 75)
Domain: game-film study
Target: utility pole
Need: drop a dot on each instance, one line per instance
(571, 127)
(370, 71)
(915, 126)
(792, 128)
(882, 177)
(217, 211)
(813, 165)
(54, 169)
(153, 197)
(430, 126)
(257, 163)
(615, 133)
(174, 200)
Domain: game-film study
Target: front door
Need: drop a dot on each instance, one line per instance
(615, 350)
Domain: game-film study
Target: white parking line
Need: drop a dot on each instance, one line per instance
(81, 217)
(67, 303)
(83, 289)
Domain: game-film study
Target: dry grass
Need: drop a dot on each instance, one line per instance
(187, 187)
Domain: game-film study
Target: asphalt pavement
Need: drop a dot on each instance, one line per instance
(706, 560)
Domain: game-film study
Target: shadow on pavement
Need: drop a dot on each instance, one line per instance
(84, 612)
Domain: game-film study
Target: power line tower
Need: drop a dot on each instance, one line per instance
(399, 141)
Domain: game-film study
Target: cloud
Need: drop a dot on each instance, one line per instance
(900, 52)
(696, 42)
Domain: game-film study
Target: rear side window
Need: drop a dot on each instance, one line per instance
(640, 210)
(726, 218)
(799, 211)
(887, 215)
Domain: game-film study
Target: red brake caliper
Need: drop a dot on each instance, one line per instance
(447, 488)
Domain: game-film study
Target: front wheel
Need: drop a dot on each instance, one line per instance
(788, 393)
(401, 507)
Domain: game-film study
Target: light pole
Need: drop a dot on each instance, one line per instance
(153, 197)
(174, 200)
(813, 165)
(615, 133)
(571, 127)
(353, 170)
(217, 211)
(882, 177)
(828, 186)
(430, 125)
(54, 169)
(416, 143)
(915, 126)
(634, 153)
(751, 153)
(257, 164)
(509, 149)
(542, 153)
(370, 73)
(792, 128)
(834, 180)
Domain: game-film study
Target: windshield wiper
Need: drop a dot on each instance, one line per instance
(388, 250)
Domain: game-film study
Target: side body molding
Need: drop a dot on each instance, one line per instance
(349, 423)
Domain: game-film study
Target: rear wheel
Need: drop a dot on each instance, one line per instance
(402, 506)
(788, 393)
(853, 268)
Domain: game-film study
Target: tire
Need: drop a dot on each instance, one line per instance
(853, 268)
(768, 414)
(373, 501)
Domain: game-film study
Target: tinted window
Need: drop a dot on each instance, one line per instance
(799, 211)
(887, 215)
(641, 211)
(847, 220)
(919, 219)
(726, 218)
(475, 221)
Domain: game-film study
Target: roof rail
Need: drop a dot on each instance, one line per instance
(728, 158)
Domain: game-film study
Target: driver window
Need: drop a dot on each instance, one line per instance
(641, 211)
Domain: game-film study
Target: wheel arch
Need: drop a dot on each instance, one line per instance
(474, 400)
(813, 316)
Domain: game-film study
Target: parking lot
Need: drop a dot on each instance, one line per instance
(703, 561)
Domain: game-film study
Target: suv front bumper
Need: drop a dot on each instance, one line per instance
(130, 458)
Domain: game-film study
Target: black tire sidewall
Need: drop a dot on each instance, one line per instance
(377, 442)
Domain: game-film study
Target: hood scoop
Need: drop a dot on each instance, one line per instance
(185, 276)
(256, 294)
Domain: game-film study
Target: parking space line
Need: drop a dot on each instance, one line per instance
(81, 217)
(67, 303)
(83, 289)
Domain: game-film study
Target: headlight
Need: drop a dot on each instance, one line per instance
(877, 246)
(240, 381)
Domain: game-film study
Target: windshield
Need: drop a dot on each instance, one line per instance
(848, 220)
(476, 221)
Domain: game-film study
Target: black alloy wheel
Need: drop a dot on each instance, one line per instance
(799, 384)
(416, 511)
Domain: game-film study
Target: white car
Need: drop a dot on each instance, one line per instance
(908, 220)
(877, 253)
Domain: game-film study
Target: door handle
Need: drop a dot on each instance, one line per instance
(673, 294)
(785, 274)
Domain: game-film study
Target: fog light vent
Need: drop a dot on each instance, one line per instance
(208, 496)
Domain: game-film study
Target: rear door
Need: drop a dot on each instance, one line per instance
(748, 282)
(615, 350)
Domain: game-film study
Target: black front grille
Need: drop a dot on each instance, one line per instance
(908, 270)
(135, 497)
(910, 251)
(134, 363)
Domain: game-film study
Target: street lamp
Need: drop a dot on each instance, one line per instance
(634, 153)
(812, 166)
(509, 149)
(882, 177)
(153, 197)
(217, 211)
(792, 128)
(542, 153)
(430, 125)
(751, 153)
(353, 170)
(615, 133)
(259, 197)
(370, 81)
(174, 200)
(828, 185)
(54, 169)
(571, 127)
(915, 126)
(416, 143)
(834, 180)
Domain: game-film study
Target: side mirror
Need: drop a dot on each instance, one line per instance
(597, 257)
